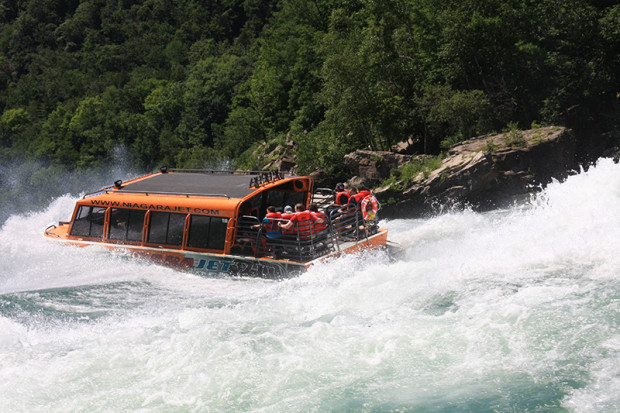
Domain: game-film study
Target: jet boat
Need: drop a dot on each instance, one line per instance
(214, 222)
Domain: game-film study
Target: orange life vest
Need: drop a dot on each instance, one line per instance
(316, 227)
(270, 221)
(287, 216)
(360, 195)
(303, 223)
(340, 194)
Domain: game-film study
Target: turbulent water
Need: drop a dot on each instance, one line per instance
(510, 311)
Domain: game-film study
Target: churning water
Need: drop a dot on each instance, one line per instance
(510, 311)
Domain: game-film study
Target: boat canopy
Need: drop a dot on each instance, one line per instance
(186, 183)
(204, 192)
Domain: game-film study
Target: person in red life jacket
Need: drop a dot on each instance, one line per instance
(341, 198)
(303, 220)
(359, 196)
(318, 226)
(352, 194)
(288, 212)
(270, 228)
(342, 195)
(270, 221)
(286, 216)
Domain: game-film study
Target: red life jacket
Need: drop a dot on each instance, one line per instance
(270, 221)
(316, 227)
(303, 224)
(360, 195)
(340, 194)
(287, 216)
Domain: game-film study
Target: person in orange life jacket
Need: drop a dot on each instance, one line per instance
(287, 215)
(288, 212)
(343, 211)
(318, 226)
(352, 201)
(300, 217)
(270, 219)
(363, 193)
(342, 195)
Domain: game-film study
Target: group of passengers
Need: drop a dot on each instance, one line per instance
(349, 200)
(308, 222)
(312, 221)
(347, 213)
(284, 229)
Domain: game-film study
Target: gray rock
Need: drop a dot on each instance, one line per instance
(485, 173)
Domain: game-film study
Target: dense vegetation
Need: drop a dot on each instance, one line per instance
(191, 83)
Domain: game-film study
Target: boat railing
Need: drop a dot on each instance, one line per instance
(49, 229)
(304, 241)
(260, 177)
(323, 198)
(247, 235)
(223, 172)
(147, 193)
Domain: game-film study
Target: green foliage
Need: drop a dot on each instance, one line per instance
(490, 146)
(402, 177)
(453, 116)
(193, 83)
(514, 137)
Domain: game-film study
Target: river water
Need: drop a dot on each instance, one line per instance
(509, 311)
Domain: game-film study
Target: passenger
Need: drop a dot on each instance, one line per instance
(359, 196)
(270, 221)
(342, 218)
(271, 234)
(341, 198)
(352, 197)
(316, 226)
(288, 212)
(303, 220)
(342, 195)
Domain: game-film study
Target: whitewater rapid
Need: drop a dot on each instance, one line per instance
(512, 310)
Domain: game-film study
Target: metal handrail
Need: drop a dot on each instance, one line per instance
(47, 231)
(147, 193)
(260, 178)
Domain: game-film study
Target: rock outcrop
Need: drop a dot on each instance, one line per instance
(370, 168)
(281, 158)
(483, 173)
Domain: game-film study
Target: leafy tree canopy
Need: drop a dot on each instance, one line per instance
(193, 83)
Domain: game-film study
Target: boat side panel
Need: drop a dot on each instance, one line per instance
(203, 263)
(177, 204)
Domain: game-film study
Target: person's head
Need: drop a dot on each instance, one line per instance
(339, 187)
(288, 209)
(299, 207)
(314, 207)
(271, 208)
(353, 191)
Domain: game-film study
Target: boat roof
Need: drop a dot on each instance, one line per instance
(206, 184)
(231, 185)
